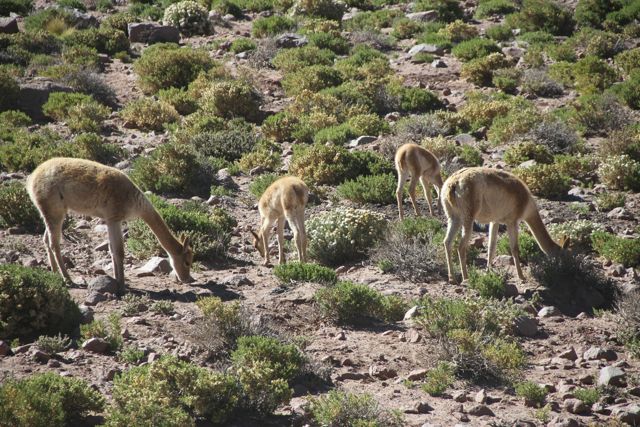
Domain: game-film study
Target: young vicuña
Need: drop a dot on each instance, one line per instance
(285, 198)
(90, 188)
(421, 164)
(495, 197)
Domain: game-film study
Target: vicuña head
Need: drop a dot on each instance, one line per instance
(286, 199)
(419, 163)
(495, 197)
(62, 184)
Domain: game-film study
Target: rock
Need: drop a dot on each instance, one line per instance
(511, 290)
(514, 52)
(8, 25)
(526, 326)
(419, 408)
(288, 40)
(528, 164)
(413, 336)
(460, 396)
(151, 32)
(82, 20)
(597, 353)
(549, 311)
(439, 63)
(563, 422)
(426, 16)
(481, 396)
(586, 379)
(503, 260)
(417, 374)
(95, 345)
(5, 349)
(382, 372)
(629, 414)
(39, 355)
(236, 280)
(224, 176)
(480, 410)
(465, 139)
(569, 354)
(362, 140)
(35, 93)
(86, 313)
(341, 336)
(575, 406)
(619, 213)
(155, 265)
(411, 313)
(425, 48)
(103, 285)
(53, 363)
(102, 247)
(351, 376)
(611, 375)
(21, 349)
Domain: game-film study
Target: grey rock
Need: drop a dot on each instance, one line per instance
(597, 353)
(619, 213)
(382, 372)
(86, 313)
(481, 396)
(5, 349)
(575, 406)
(610, 375)
(151, 32)
(419, 408)
(8, 25)
(549, 311)
(103, 285)
(362, 140)
(236, 280)
(351, 376)
(511, 290)
(426, 16)
(569, 354)
(102, 247)
(411, 313)
(528, 164)
(82, 20)
(564, 422)
(417, 374)
(289, 40)
(53, 363)
(526, 326)
(39, 355)
(94, 298)
(35, 93)
(480, 410)
(21, 349)
(438, 63)
(459, 396)
(155, 265)
(514, 52)
(465, 139)
(425, 48)
(629, 414)
(95, 345)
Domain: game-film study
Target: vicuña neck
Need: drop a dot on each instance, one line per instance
(153, 219)
(540, 233)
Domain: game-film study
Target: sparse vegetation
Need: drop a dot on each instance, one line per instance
(297, 272)
(532, 393)
(342, 409)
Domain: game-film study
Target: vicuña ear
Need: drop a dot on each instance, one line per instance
(566, 241)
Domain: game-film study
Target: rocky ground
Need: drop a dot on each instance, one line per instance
(565, 352)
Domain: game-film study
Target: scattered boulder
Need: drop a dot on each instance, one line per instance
(94, 298)
(382, 372)
(86, 313)
(417, 374)
(236, 280)
(438, 63)
(575, 406)
(629, 414)
(95, 345)
(5, 349)
(82, 20)
(426, 16)
(8, 25)
(289, 40)
(411, 313)
(597, 353)
(425, 48)
(155, 265)
(39, 355)
(151, 32)
(351, 376)
(611, 375)
(549, 311)
(35, 93)
(362, 140)
(526, 326)
(481, 396)
(569, 354)
(480, 410)
(419, 408)
(103, 285)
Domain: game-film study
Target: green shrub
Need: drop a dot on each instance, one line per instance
(172, 392)
(515, 123)
(271, 26)
(180, 99)
(346, 409)
(620, 172)
(537, 82)
(593, 75)
(405, 28)
(545, 181)
(229, 144)
(597, 114)
(617, 249)
(448, 10)
(231, 98)
(610, 200)
(532, 393)
(294, 59)
(297, 272)
(480, 71)
(329, 41)
(439, 379)
(354, 304)
(542, 15)
(266, 155)
(242, 44)
(53, 344)
(105, 39)
(343, 234)
(10, 91)
(619, 142)
(131, 355)
(313, 78)
(628, 60)
(379, 189)
(628, 90)
(188, 16)
(474, 48)
(489, 8)
(506, 79)
(13, 119)
(148, 114)
(91, 146)
(592, 13)
(521, 152)
(260, 184)
(165, 65)
(87, 116)
(589, 396)
(499, 33)
(413, 99)
(328, 9)
(579, 231)
(208, 232)
(59, 103)
(337, 135)
(527, 246)
(628, 329)
(108, 329)
(16, 208)
(52, 20)
(489, 285)
(47, 400)
(21, 7)
(321, 164)
(34, 302)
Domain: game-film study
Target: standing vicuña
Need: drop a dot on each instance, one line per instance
(495, 197)
(62, 184)
(285, 198)
(421, 164)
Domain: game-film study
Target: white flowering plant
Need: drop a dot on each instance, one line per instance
(188, 16)
(344, 234)
(620, 173)
(578, 231)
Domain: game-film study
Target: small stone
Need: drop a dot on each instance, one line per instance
(290, 40)
(511, 290)
(460, 396)
(419, 408)
(569, 354)
(21, 349)
(413, 336)
(586, 379)
(151, 32)
(154, 265)
(103, 285)
(417, 374)
(382, 372)
(426, 16)
(362, 140)
(425, 48)
(480, 410)
(619, 213)
(94, 298)
(102, 247)
(152, 357)
(95, 345)
(110, 374)
(575, 406)
(5, 349)
(86, 313)
(8, 25)
(39, 355)
(341, 336)
(439, 63)
(610, 375)
(236, 280)
(597, 353)
(411, 313)
(351, 376)
(629, 414)
(549, 311)
(526, 326)
(53, 363)
(481, 396)
(346, 362)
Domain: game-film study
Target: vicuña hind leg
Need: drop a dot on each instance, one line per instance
(116, 247)
(493, 238)
(453, 226)
(54, 230)
(47, 245)
(298, 235)
(402, 177)
(412, 193)
(462, 248)
(512, 229)
(281, 255)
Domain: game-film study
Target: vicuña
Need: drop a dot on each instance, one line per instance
(61, 184)
(421, 164)
(495, 197)
(285, 198)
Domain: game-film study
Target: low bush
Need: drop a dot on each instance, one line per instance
(294, 59)
(378, 189)
(507, 79)
(222, 325)
(448, 10)
(579, 231)
(345, 409)
(542, 15)
(260, 184)
(617, 249)
(53, 344)
(179, 99)
(265, 155)
(230, 143)
(532, 393)
(327, 9)
(232, 98)
(354, 304)
(105, 39)
(165, 65)
(405, 28)
(59, 103)
(337, 135)
(34, 302)
(172, 392)
(17, 209)
(589, 396)
(271, 26)
(10, 91)
(545, 181)
(107, 329)
(328, 40)
(20, 7)
(188, 16)
(620, 173)
(343, 234)
(593, 75)
(47, 400)
(87, 116)
(516, 123)
(242, 44)
(628, 310)
(297, 272)
(474, 48)
(537, 82)
(480, 71)
(627, 91)
(412, 99)
(592, 13)
(628, 60)
(489, 8)
(491, 284)
(439, 379)
(527, 150)
(555, 135)
(313, 78)
(527, 246)
(320, 164)
(610, 200)
(148, 114)
(208, 232)
(600, 114)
